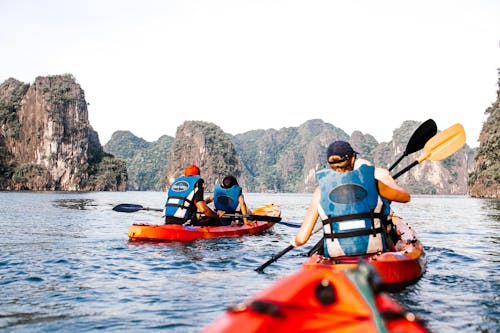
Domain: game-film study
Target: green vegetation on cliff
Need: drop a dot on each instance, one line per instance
(146, 162)
(484, 181)
(11, 95)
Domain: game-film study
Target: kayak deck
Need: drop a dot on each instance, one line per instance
(336, 299)
(404, 265)
(176, 232)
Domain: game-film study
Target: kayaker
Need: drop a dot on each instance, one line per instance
(353, 204)
(228, 199)
(185, 204)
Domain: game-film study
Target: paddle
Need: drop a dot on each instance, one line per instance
(422, 134)
(440, 146)
(273, 219)
(132, 208)
(437, 148)
(283, 252)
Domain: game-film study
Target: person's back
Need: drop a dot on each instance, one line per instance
(228, 199)
(350, 204)
(226, 195)
(349, 207)
(185, 199)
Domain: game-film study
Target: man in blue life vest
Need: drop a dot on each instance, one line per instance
(228, 199)
(353, 204)
(185, 204)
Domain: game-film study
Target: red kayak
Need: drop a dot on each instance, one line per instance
(402, 266)
(176, 232)
(261, 219)
(334, 299)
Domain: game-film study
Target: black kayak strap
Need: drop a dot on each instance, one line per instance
(355, 233)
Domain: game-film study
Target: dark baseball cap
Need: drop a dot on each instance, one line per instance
(340, 148)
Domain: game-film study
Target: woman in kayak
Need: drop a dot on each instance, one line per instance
(353, 203)
(185, 204)
(228, 199)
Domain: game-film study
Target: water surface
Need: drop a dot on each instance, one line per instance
(66, 264)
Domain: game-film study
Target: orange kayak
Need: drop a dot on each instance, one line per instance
(176, 232)
(334, 299)
(402, 266)
(268, 213)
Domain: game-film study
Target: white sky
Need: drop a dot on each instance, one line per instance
(147, 66)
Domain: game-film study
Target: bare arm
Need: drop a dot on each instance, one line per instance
(205, 210)
(243, 207)
(309, 221)
(209, 199)
(388, 188)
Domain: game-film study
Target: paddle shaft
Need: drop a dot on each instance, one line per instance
(283, 252)
(272, 219)
(397, 162)
(407, 168)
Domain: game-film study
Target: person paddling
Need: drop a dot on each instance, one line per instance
(185, 204)
(352, 200)
(228, 199)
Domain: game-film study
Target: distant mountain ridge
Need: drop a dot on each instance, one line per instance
(286, 160)
(47, 143)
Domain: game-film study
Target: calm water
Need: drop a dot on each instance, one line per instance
(66, 264)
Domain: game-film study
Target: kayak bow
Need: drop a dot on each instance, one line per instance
(336, 299)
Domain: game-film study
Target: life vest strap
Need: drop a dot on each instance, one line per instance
(348, 217)
(355, 233)
(181, 203)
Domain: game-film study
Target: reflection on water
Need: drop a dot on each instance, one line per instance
(80, 204)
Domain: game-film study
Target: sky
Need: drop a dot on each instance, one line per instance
(147, 66)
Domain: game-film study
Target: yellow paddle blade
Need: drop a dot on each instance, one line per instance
(270, 209)
(444, 144)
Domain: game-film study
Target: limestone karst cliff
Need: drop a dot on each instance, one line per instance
(46, 141)
(206, 145)
(484, 181)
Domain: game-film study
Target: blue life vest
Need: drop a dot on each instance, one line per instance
(226, 199)
(350, 209)
(180, 197)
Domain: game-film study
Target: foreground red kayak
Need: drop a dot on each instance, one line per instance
(404, 265)
(176, 232)
(335, 299)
